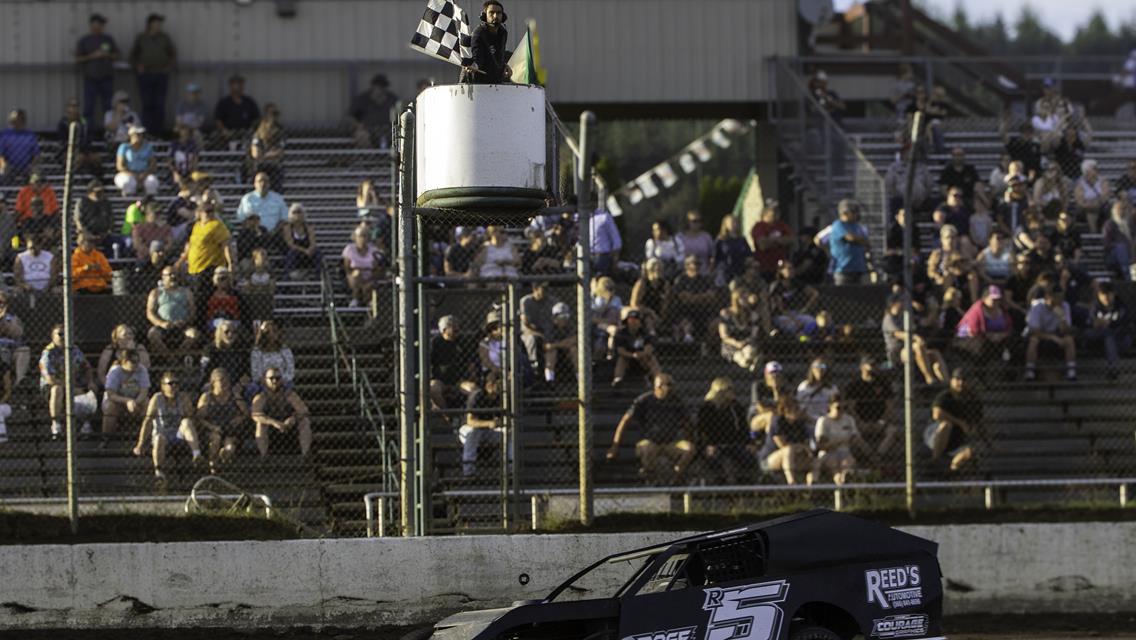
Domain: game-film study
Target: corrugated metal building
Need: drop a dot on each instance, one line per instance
(630, 52)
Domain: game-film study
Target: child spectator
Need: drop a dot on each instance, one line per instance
(184, 152)
(633, 346)
(739, 329)
(792, 301)
(224, 303)
(607, 308)
(260, 280)
(559, 341)
(152, 229)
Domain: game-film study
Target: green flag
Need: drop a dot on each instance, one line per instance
(521, 62)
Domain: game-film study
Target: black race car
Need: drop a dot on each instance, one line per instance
(817, 575)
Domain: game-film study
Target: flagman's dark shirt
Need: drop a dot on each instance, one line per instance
(489, 54)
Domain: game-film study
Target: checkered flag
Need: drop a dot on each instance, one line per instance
(443, 33)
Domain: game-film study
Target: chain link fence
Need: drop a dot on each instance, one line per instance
(233, 318)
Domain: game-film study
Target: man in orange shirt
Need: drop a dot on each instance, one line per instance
(35, 187)
(90, 270)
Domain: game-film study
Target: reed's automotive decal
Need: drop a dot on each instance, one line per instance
(894, 588)
(748, 612)
(900, 626)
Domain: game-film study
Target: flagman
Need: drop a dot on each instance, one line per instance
(488, 47)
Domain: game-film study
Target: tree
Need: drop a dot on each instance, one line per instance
(1033, 37)
(993, 35)
(1095, 38)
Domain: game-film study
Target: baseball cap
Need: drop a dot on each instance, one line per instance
(198, 176)
(445, 322)
(156, 246)
(193, 87)
(155, 16)
(15, 114)
(94, 184)
(1048, 82)
(34, 177)
(561, 309)
(220, 271)
(772, 367)
(1017, 178)
(135, 130)
(97, 17)
(994, 291)
(821, 75)
(120, 96)
(634, 313)
(895, 298)
(867, 359)
(959, 373)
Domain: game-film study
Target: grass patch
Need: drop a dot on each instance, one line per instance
(622, 522)
(31, 528)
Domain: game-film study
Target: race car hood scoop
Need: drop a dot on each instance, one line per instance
(467, 624)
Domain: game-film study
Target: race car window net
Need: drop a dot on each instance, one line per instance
(739, 558)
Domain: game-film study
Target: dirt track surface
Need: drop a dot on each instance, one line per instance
(971, 627)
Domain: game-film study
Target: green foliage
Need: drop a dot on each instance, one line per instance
(716, 198)
(1032, 37)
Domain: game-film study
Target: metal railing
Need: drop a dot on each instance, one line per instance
(825, 157)
(369, 406)
(187, 501)
(376, 521)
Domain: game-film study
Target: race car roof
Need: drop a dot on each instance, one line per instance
(822, 537)
(814, 538)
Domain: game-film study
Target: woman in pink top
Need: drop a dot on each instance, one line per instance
(363, 263)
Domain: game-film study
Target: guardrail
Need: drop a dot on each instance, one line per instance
(376, 521)
(266, 502)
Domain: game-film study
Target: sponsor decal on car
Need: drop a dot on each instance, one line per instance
(747, 612)
(685, 633)
(900, 626)
(895, 587)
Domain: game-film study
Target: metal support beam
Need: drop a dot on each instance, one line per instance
(407, 326)
(584, 314)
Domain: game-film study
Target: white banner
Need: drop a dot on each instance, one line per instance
(647, 186)
(666, 174)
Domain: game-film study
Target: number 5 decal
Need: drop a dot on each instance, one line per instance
(749, 612)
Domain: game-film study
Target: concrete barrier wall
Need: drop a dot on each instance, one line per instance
(371, 582)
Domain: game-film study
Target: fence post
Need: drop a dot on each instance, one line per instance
(584, 316)
(68, 339)
(407, 391)
(908, 284)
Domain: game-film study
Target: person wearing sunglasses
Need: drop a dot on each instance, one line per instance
(280, 410)
(168, 425)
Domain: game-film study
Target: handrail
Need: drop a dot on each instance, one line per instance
(866, 170)
(370, 408)
(989, 487)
